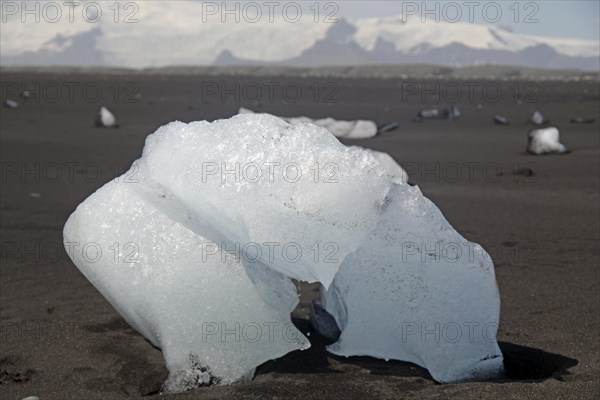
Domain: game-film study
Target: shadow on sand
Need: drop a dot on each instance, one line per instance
(521, 363)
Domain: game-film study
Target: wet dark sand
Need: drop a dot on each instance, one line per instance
(61, 340)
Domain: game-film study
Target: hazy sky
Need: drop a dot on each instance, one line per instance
(578, 19)
(572, 19)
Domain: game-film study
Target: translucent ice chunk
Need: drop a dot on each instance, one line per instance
(106, 119)
(355, 129)
(537, 118)
(544, 141)
(389, 165)
(417, 291)
(186, 295)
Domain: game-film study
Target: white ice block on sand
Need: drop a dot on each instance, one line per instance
(537, 118)
(544, 141)
(354, 129)
(215, 218)
(106, 119)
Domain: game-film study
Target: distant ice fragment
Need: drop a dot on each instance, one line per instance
(9, 103)
(500, 119)
(453, 112)
(106, 119)
(544, 141)
(387, 127)
(580, 120)
(356, 129)
(537, 118)
(427, 114)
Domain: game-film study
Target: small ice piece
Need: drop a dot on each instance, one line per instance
(544, 141)
(387, 127)
(106, 119)
(427, 114)
(500, 119)
(580, 120)
(387, 163)
(537, 118)
(453, 112)
(9, 103)
(356, 129)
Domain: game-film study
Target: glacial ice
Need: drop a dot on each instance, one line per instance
(106, 119)
(9, 103)
(544, 141)
(355, 129)
(418, 291)
(500, 119)
(387, 163)
(537, 118)
(200, 239)
(212, 315)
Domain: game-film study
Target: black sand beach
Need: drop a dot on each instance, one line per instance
(538, 216)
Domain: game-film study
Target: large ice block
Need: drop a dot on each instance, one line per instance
(197, 244)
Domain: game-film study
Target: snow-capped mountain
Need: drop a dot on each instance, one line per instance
(390, 41)
(171, 36)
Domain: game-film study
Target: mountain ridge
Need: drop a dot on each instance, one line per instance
(368, 41)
